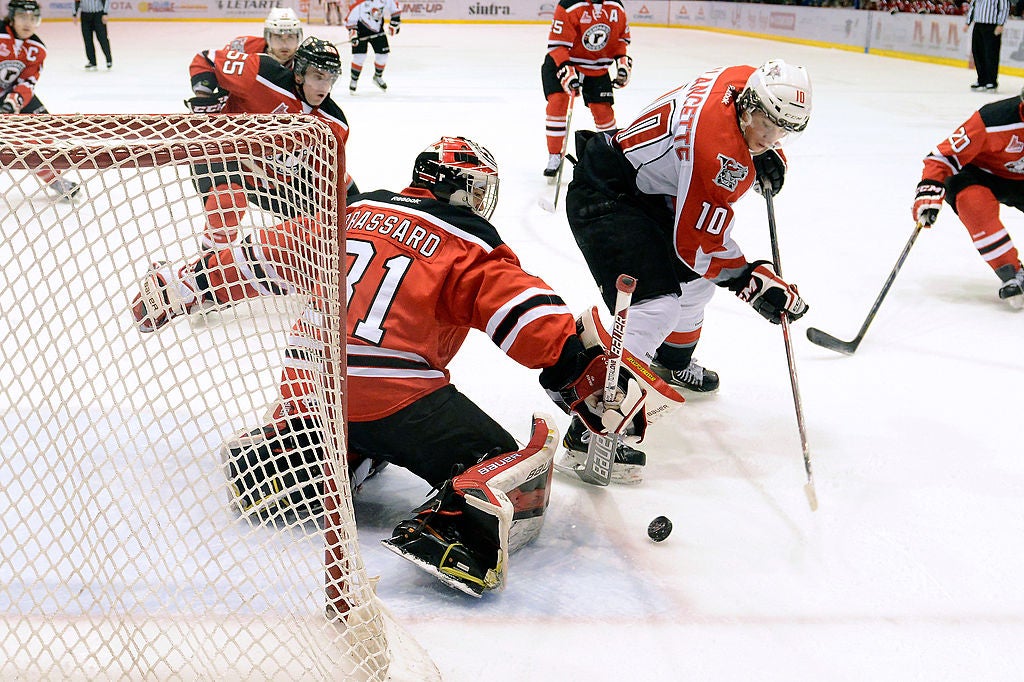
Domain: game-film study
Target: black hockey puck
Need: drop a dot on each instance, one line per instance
(659, 528)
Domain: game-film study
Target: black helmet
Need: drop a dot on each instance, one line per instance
(29, 6)
(461, 172)
(319, 54)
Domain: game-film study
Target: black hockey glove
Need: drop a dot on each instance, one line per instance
(770, 167)
(768, 294)
(394, 27)
(569, 79)
(212, 103)
(623, 71)
(927, 201)
(6, 108)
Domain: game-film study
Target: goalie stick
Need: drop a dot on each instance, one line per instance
(809, 491)
(545, 203)
(601, 450)
(816, 336)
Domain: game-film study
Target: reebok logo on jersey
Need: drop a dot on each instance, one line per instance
(731, 174)
(1015, 146)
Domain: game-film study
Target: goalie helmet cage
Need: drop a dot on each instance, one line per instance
(122, 555)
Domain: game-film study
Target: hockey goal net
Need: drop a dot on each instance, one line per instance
(122, 555)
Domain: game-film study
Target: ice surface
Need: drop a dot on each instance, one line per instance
(912, 567)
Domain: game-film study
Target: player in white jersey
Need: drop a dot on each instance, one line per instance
(365, 22)
(655, 200)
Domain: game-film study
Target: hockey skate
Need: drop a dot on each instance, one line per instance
(162, 297)
(352, 84)
(464, 535)
(628, 468)
(694, 378)
(64, 188)
(554, 162)
(378, 80)
(275, 471)
(1012, 290)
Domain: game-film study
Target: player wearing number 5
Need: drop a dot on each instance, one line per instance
(656, 200)
(586, 56)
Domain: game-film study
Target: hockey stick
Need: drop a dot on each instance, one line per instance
(545, 203)
(363, 39)
(812, 496)
(850, 347)
(601, 450)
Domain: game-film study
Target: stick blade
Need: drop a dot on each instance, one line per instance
(546, 204)
(600, 456)
(820, 338)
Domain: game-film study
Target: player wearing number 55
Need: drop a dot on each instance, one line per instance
(656, 200)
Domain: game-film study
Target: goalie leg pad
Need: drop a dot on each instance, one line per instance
(466, 533)
(276, 468)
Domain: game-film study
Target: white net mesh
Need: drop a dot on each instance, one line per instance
(122, 553)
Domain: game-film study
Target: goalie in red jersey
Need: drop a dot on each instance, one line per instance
(425, 266)
(258, 84)
(974, 170)
(586, 57)
(23, 55)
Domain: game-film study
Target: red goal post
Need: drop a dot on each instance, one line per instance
(120, 553)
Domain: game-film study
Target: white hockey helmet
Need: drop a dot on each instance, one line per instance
(782, 92)
(461, 172)
(282, 21)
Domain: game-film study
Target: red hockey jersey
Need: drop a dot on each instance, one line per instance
(421, 274)
(991, 139)
(688, 146)
(22, 62)
(588, 35)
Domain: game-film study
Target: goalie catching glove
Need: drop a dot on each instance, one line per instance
(208, 102)
(768, 294)
(576, 384)
(927, 201)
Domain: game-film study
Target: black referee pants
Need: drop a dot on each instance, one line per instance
(92, 24)
(985, 46)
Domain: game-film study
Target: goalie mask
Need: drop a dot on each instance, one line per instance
(780, 91)
(461, 172)
(28, 7)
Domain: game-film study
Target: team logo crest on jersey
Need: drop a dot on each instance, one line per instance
(9, 72)
(596, 37)
(731, 174)
(1016, 166)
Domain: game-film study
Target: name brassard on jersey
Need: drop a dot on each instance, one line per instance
(399, 228)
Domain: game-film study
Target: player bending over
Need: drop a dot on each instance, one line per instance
(258, 84)
(425, 266)
(655, 200)
(23, 54)
(977, 168)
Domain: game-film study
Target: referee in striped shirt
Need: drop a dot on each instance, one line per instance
(988, 17)
(94, 22)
